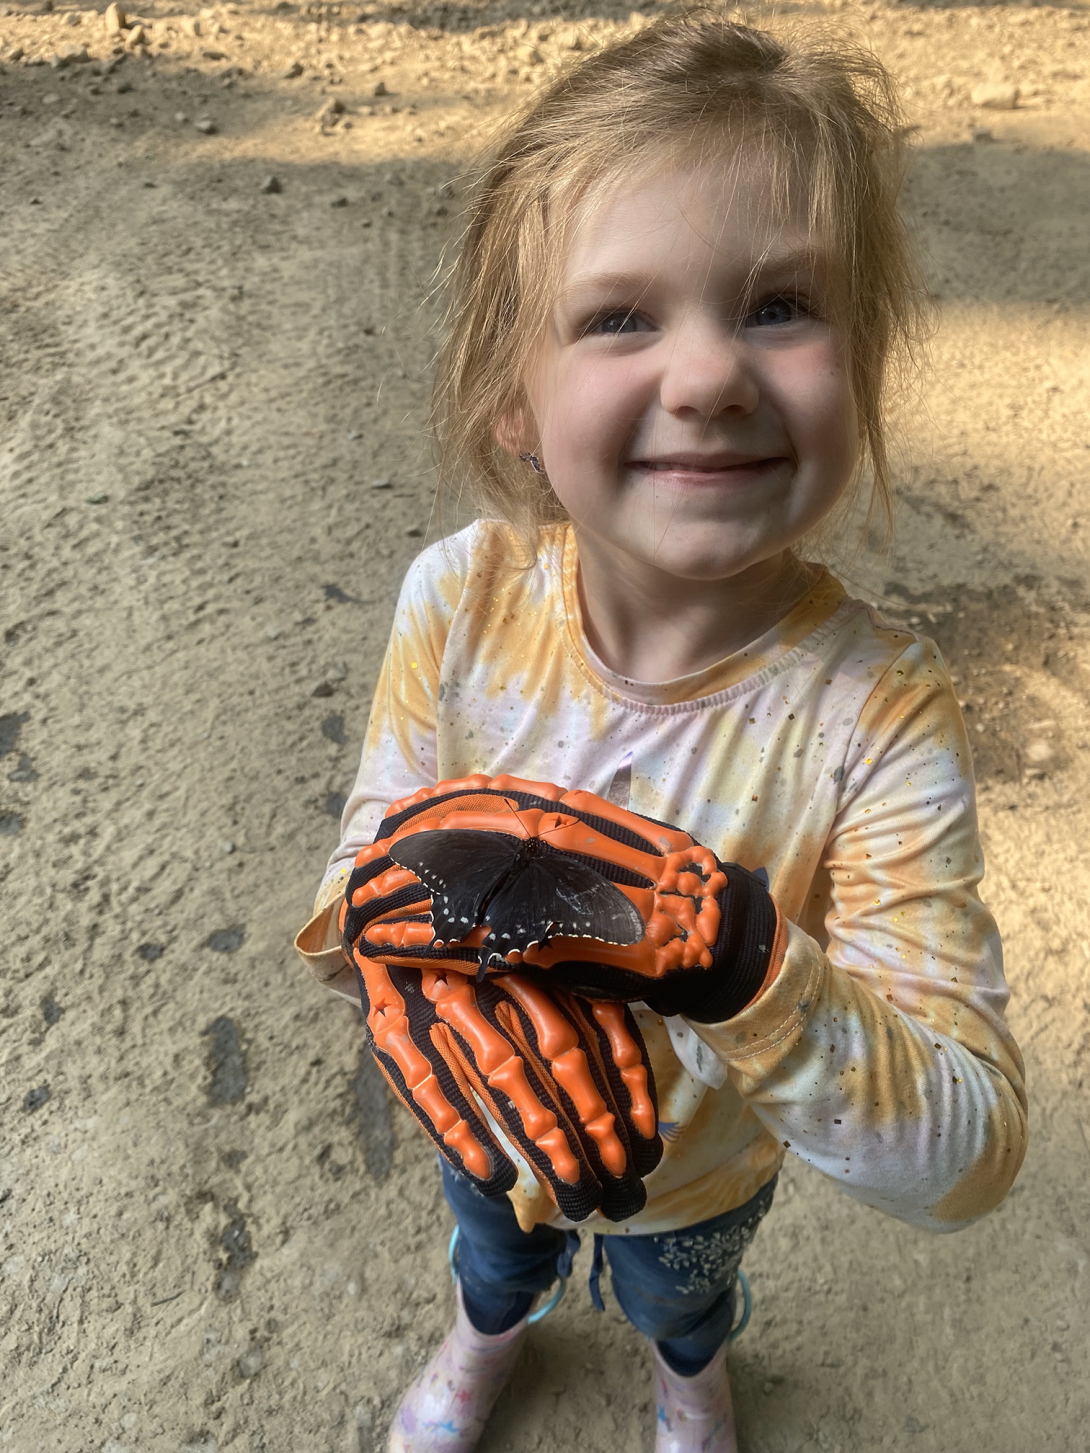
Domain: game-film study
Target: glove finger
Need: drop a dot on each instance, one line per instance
(520, 1094)
(571, 1050)
(400, 1020)
(627, 1067)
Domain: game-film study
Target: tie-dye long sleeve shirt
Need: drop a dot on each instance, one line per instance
(831, 752)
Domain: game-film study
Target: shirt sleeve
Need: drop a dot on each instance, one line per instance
(884, 1060)
(399, 749)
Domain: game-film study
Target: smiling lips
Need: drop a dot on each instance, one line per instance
(708, 464)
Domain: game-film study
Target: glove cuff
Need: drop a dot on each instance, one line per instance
(742, 953)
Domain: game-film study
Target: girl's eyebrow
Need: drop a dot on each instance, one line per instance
(804, 258)
(604, 282)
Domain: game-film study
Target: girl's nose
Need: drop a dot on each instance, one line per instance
(706, 371)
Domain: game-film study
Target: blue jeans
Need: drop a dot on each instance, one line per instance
(676, 1287)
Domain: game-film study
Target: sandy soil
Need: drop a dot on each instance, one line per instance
(216, 1234)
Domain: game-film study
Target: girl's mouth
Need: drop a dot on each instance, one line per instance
(709, 467)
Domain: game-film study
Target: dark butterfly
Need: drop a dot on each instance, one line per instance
(524, 890)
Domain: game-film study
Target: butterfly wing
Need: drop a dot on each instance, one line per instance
(460, 869)
(555, 895)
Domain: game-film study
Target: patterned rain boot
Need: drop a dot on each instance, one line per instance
(695, 1414)
(446, 1408)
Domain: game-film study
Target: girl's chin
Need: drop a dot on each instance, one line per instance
(700, 564)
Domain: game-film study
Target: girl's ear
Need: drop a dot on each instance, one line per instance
(513, 429)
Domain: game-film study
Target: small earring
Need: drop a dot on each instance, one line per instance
(533, 461)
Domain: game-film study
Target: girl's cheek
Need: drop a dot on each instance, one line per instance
(815, 391)
(594, 406)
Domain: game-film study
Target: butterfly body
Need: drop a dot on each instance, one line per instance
(520, 888)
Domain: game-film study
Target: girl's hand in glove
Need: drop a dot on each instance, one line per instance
(500, 874)
(567, 1079)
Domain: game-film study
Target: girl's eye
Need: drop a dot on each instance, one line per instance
(778, 310)
(620, 320)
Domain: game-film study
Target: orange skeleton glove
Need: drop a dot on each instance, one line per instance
(568, 1081)
(500, 874)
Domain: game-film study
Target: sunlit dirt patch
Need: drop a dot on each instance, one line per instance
(1006, 647)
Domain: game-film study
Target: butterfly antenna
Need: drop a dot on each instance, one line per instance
(543, 829)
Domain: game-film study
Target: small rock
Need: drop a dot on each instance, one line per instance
(136, 36)
(339, 202)
(380, 89)
(995, 96)
(213, 55)
(289, 73)
(271, 185)
(323, 688)
(382, 484)
(981, 133)
(251, 1362)
(52, 99)
(529, 55)
(227, 847)
(1040, 758)
(206, 126)
(15, 53)
(72, 55)
(35, 1099)
(190, 25)
(333, 107)
(180, 117)
(114, 18)
(414, 530)
(149, 952)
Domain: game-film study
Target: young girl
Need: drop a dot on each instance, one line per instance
(683, 286)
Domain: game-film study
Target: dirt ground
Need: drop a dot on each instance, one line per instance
(215, 1233)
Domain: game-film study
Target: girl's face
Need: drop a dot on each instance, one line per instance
(690, 401)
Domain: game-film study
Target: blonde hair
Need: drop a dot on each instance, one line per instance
(690, 87)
